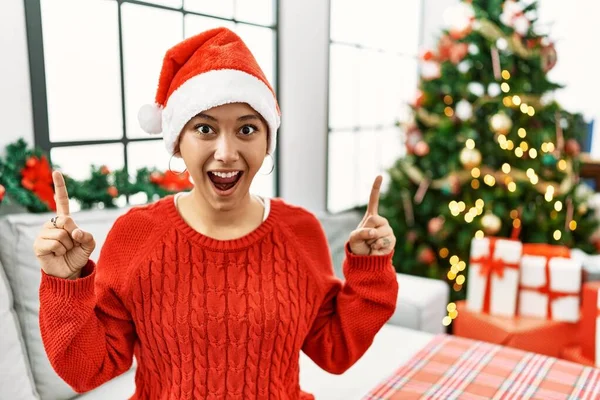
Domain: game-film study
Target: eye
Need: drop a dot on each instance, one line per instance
(248, 130)
(203, 129)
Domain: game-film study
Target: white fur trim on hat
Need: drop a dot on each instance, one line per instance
(150, 118)
(212, 89)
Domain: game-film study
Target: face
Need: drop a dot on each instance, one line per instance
(223, 148)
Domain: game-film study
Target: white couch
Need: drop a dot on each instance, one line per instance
(26, 374)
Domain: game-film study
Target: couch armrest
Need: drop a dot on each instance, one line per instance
(421, 303)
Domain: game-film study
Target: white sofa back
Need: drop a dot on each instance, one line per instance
(22, 270)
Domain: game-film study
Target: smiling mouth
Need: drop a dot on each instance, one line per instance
(224, 181)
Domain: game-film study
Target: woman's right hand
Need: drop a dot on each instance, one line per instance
(62, 248)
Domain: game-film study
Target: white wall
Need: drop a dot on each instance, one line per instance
(15, 102)
(304, 48)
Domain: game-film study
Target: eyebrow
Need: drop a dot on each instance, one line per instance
(242, 118)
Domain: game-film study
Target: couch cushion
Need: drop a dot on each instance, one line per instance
(337, 228)
(421, 303)
(16, 381)
(17, 233)
(121, 387)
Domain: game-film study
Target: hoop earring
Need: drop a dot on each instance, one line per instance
(272, 164)
(180, 173)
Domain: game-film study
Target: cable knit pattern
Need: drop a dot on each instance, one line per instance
(210, 319)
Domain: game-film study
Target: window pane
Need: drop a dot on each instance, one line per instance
(261, 42)
(367, 163)
(147, 34)
(256, 11)
(391, 147)
(343, 90)
(151, 154)
(372, 84)
(76, 161)
(82, 69)
(345, 18)
(400, 77)
(341, 187)
(168, 3)
(219, 8)
(391, 25)
(195, 24)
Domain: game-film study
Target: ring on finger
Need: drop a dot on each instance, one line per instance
(53, 220)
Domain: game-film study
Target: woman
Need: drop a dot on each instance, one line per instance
(215, 291)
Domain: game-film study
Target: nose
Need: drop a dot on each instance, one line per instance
(226, 151)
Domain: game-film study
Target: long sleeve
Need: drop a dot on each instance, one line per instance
(86, 329)
(351, 312)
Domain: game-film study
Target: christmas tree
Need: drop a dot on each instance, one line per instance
(489, 150)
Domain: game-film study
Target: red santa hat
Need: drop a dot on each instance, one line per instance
(210, 69)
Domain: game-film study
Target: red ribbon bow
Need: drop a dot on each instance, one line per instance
(490, 265)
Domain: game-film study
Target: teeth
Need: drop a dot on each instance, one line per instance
(225, 174)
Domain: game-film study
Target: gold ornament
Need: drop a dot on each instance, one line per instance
(470, 158)
(582, 209)
(501, 123)
(491, 223)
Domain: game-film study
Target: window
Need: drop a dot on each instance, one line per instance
(372, 77)
(95, 62)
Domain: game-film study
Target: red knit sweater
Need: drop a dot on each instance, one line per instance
(210, 319)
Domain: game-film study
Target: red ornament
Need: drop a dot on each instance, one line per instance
(572, 147)
(27, 184)
(112, 191)
(421, 149)
(426, 256)
(2, 191)
(419, 98)
(155, 177)
(427, 55)
(104, 170)
(411, 236)
(413, 136)
(448, 49)
(454, 184)
(171, 181)
(37, 177)
(435, 225)
(31, 162)
(549, 57)
(534, 43)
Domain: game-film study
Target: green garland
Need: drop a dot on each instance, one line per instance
(26, 180)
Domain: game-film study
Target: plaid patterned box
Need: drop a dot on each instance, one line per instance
(450, 367)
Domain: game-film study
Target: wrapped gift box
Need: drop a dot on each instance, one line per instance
(590, 322)
(590, 262)
(575, 354)
(530, 334)
(493, 278)
(550, 283)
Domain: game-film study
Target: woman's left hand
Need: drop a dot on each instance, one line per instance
(374, 235)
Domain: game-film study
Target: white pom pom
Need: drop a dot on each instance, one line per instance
(150, 118)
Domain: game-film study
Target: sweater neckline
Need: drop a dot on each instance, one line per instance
(217, 244)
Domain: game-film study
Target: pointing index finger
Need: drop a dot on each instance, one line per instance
(373, 205)
(61, 195)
